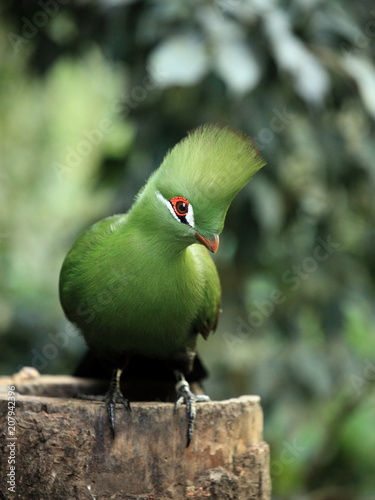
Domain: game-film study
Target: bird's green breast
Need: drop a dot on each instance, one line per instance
(127, 292)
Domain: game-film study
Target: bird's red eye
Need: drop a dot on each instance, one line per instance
(180, 206)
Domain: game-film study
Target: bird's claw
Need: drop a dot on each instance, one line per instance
(111, 398)
(187, 397)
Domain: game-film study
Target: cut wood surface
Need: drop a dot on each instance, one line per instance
(64, 448)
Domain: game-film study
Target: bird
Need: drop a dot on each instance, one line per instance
(144, 283)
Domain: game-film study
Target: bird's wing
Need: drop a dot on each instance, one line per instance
(208, 314)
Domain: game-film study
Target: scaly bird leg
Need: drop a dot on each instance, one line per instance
(113, 396)
(186, 396)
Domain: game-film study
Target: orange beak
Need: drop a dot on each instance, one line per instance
(211, 243)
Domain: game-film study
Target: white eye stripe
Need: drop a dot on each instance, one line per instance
(190, 213)
(167, 203)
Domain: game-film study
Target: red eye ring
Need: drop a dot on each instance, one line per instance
(180, 206)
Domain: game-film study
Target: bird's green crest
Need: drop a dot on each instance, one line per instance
(209, 167)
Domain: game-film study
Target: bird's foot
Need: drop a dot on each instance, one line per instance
(111, 398)
(186, 396)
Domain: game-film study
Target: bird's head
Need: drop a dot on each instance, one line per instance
(197, 181)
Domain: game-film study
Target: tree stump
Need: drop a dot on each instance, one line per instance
(62, 448)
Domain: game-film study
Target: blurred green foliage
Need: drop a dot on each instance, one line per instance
(91, 97)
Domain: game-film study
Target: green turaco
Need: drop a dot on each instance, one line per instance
(168, 291)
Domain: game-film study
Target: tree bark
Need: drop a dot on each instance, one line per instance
(63, 447)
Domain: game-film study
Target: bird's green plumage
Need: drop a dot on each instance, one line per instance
(140, 282)
(127, 294)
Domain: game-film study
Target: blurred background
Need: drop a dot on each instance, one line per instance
(92, 95)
